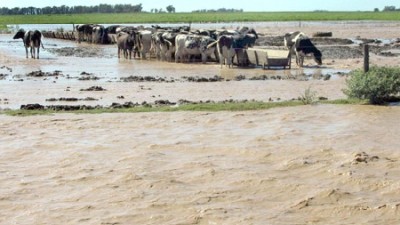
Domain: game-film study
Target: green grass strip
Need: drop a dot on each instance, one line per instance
(120, 18)
(209, 107)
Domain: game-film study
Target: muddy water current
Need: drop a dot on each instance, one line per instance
(300, 165)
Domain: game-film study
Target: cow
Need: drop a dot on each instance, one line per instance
(187, 45)
(302, 46)
(242, 42)
(126, 43)
(156, 42)
(225, 49)
(231, 43)
(163, 44)
(143, 39)
(168, 45)
(85, 32)
(112, 29)
(100, 35)
(32, 40)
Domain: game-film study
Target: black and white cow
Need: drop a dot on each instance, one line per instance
(168, 47)
(233, 43)
(187, 45)
(302, 46)
(32, 40)
(225, 49)
(100, 35)
(84, 32)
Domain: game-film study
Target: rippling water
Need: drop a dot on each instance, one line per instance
(310, 164)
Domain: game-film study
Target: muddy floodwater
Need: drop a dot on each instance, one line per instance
(313, 164)
(69, 67)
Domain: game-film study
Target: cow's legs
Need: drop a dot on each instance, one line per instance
(26, 50)
(221, 59)
(32, 52)
(300, 58)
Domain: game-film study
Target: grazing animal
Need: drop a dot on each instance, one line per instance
(156, 42)
(100, 35)
(144, 42)
(168, 47)
(126, 43)
(32, 40)
(163, 44)
(226, 50)
(302, 46)
(85, 32)
(187, 45)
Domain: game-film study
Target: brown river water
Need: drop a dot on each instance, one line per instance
(313, 164)
(320, 164)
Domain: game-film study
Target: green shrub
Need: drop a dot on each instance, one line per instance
(378, 85)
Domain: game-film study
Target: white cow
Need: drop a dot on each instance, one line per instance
(187, 45)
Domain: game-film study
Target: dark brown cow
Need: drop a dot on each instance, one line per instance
(125, 43)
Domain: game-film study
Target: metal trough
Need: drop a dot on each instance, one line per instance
(268, 58)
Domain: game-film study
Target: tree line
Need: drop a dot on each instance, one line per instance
(102, 8)
(388, 8)
(218, 10)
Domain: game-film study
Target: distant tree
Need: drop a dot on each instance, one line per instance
(376, 10)
(217, 10)
(170, 9)
(389, 8)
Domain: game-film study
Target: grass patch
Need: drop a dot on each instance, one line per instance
(120, 18)
(209, 107)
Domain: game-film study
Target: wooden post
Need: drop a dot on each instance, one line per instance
(366, 58)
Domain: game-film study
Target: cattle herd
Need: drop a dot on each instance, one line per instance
(178, 44)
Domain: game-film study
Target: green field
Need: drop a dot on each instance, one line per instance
(196, 17)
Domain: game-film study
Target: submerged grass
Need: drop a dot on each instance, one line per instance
(210, 107)
(117, 18)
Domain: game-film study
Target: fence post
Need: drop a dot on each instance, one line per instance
(366, 58)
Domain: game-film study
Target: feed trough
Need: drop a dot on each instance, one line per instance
(268, 58)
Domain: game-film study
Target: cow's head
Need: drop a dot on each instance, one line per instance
(20, 34)
(318, 57)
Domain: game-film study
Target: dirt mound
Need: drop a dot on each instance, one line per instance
(78, 52)
(341, 52)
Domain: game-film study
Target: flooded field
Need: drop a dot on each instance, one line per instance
(313, 164)
(66, 67)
